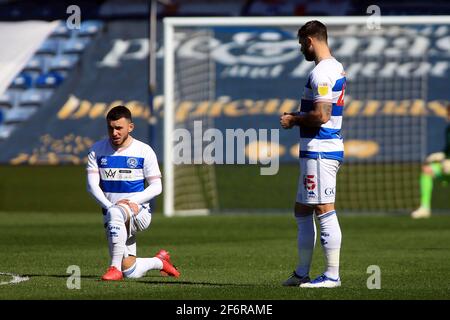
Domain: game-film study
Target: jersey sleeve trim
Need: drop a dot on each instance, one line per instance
(153, 177)
(323, 100)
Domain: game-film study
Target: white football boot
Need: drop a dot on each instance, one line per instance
(421, 213)
(322, 281)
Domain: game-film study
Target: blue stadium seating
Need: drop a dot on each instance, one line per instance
(17, 115)
(43, 73)
(49, 80)
(6, 130)
(61, 32)
(35, 65)
(74, 46)
(48, 47)
(33, 98)
(7, 99)
(22, 81)
(62, 63)
(89, 28)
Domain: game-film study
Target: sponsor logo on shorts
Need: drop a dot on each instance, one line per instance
(310, 185)
(311, 194)
(330, 192)
(309, 182)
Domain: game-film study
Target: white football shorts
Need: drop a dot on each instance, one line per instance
(317, 181)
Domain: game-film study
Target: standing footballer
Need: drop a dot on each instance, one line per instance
(321, 153)
(117, 169)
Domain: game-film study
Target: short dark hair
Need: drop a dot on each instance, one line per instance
(314, 29)
(119, 112)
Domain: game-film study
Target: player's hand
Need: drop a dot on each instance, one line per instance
(133, 206)
(287, 120)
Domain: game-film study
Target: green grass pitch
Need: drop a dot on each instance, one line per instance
(223, 257)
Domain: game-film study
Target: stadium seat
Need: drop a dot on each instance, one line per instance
(33, 98)
(6, 130)
(16, 115)
(7, 99)
(74, 46)
(49, 80)
(48, 47)
(62, 63)
(3, 112)
(35, 65)
(22, 81)
(61, 31)
(89, 28)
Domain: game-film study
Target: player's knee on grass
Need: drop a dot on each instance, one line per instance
(128, 262)
(302, 210)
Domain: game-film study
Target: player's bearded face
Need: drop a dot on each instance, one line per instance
(119, 130)
(307, 50)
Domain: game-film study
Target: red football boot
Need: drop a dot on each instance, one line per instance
(168, 269)
(112, 274)
(163, 255)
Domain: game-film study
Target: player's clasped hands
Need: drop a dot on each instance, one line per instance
(133, 206)
(287, 120)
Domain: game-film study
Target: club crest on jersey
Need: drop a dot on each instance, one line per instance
(103, 161)
(132, 163)
(322, 89)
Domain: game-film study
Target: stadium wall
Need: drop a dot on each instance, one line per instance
(113, 70)
(253, 88)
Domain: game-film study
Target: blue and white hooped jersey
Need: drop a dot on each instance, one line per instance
(326, 83)
(122, 172)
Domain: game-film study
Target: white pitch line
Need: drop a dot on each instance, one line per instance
(15, 278)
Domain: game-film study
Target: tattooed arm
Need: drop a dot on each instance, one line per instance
(313, 119)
